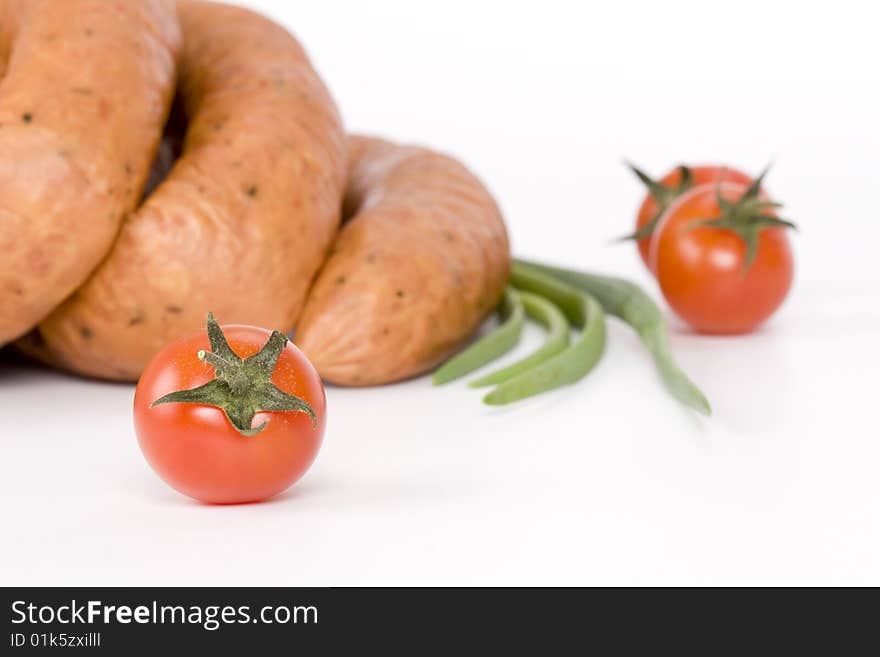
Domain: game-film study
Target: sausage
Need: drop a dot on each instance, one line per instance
(420, 263)
(244, 218)
(86, 86)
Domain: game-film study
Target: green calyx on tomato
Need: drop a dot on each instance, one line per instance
(663, 196)
(747, 217)
(242, 386)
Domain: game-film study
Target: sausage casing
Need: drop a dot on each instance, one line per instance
(242, 221)
(85, 91)
(422, 260)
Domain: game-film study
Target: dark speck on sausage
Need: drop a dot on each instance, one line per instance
(27, 117)
(340, 280)
(252, 191)
(399, 294)
(137, 318)
(176, 310)
(86, 332)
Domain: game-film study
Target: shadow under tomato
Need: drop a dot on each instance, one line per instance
(318, 494)
(170, 497)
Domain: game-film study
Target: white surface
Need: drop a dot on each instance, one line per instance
(610, 481)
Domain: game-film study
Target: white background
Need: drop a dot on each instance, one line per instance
(609, 481)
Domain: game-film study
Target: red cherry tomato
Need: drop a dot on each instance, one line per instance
(704, 271)
(195, 447)
(663, 192)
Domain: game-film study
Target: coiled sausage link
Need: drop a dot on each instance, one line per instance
(85, 91)
(244, 218)
(422, 260)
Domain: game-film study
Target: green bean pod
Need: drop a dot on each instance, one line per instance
(490, 346)
(572, 363)
(629, 302)
(558, 335)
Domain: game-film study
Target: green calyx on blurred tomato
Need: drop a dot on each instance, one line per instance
(664, 191)
(196, 427)
(722, 258)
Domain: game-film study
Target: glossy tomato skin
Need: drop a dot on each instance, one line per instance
(197, 451)
(701, 174)
(701, 271)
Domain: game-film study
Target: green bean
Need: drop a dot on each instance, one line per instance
(490, 346)
(629, 302)
(558, 335)
(566, 297)
(572, 363)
